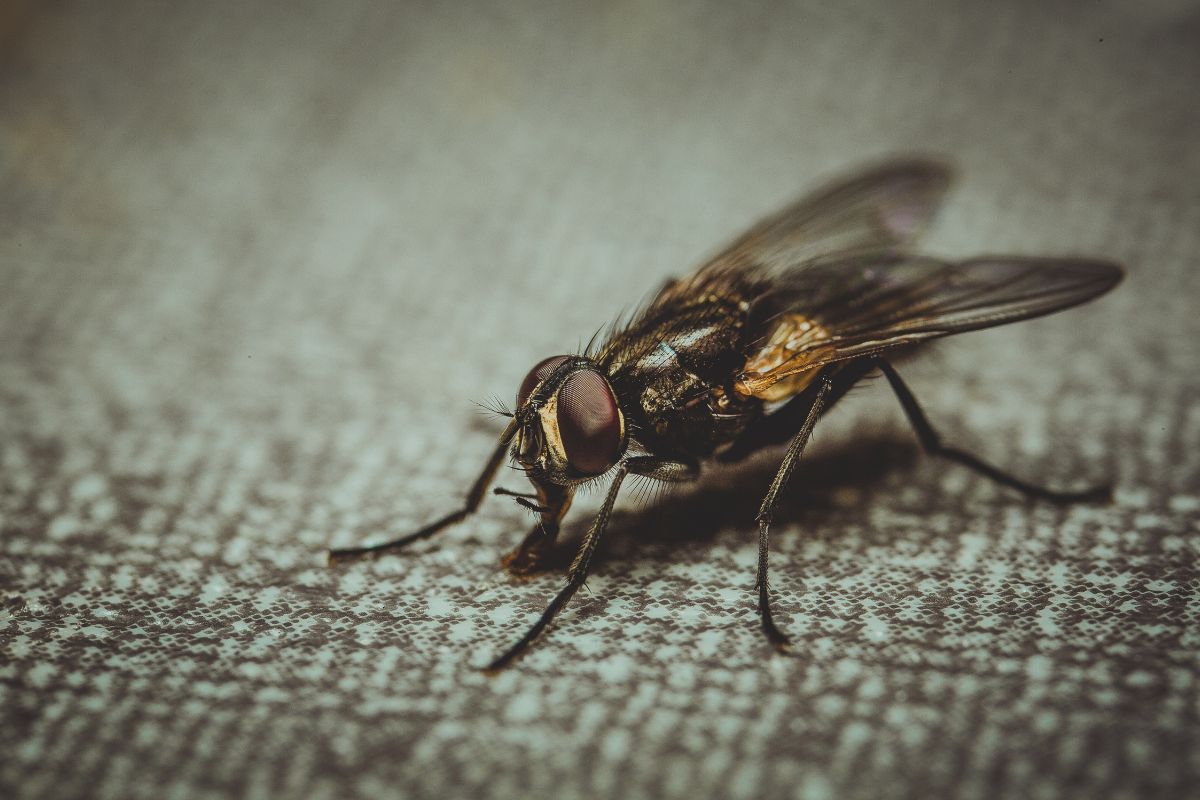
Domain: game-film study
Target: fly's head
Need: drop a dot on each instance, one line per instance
(571, 428)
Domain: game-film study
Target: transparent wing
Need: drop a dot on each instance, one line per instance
(882, 208)
(846, 307)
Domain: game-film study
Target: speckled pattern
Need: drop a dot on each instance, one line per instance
(257, 261)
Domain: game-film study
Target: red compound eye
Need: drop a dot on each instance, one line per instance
(589, 422)
(536, 376)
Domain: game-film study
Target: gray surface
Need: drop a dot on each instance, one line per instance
(257, 263)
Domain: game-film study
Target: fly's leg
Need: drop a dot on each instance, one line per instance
(532, 554)
(932, 444)
(474, 498)
(658, 468)
(575, 577)
(808, 406)
(824, 386)
(524, 499)
(780, 425)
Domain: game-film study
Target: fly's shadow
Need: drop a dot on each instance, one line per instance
(728, 500)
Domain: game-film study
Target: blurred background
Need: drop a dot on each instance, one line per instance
(258, 260)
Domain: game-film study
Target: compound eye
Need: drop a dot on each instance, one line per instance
(589, 422)
(536, 375)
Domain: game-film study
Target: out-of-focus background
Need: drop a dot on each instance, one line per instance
(257, 261)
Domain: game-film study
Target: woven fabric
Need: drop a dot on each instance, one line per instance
(258, 260)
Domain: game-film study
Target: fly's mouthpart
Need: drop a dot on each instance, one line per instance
(528, 446)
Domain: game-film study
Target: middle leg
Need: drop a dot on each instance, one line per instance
(825, 385)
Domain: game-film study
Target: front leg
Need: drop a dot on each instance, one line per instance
(474, 498)
(664, 469)
(532, 554)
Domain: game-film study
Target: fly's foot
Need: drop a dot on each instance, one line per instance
(778, 639)
(525, 562)
(780, 643)
(334, 558)
(536, 558)
(1097, 495)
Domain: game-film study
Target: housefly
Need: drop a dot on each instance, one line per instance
(750, 350)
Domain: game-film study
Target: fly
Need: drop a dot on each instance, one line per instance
(750, 350)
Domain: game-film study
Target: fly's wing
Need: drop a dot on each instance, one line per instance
(883, 208)
(845, 307)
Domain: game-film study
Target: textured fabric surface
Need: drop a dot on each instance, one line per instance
(257, 261)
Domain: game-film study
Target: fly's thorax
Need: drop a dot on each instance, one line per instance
(678, 410)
